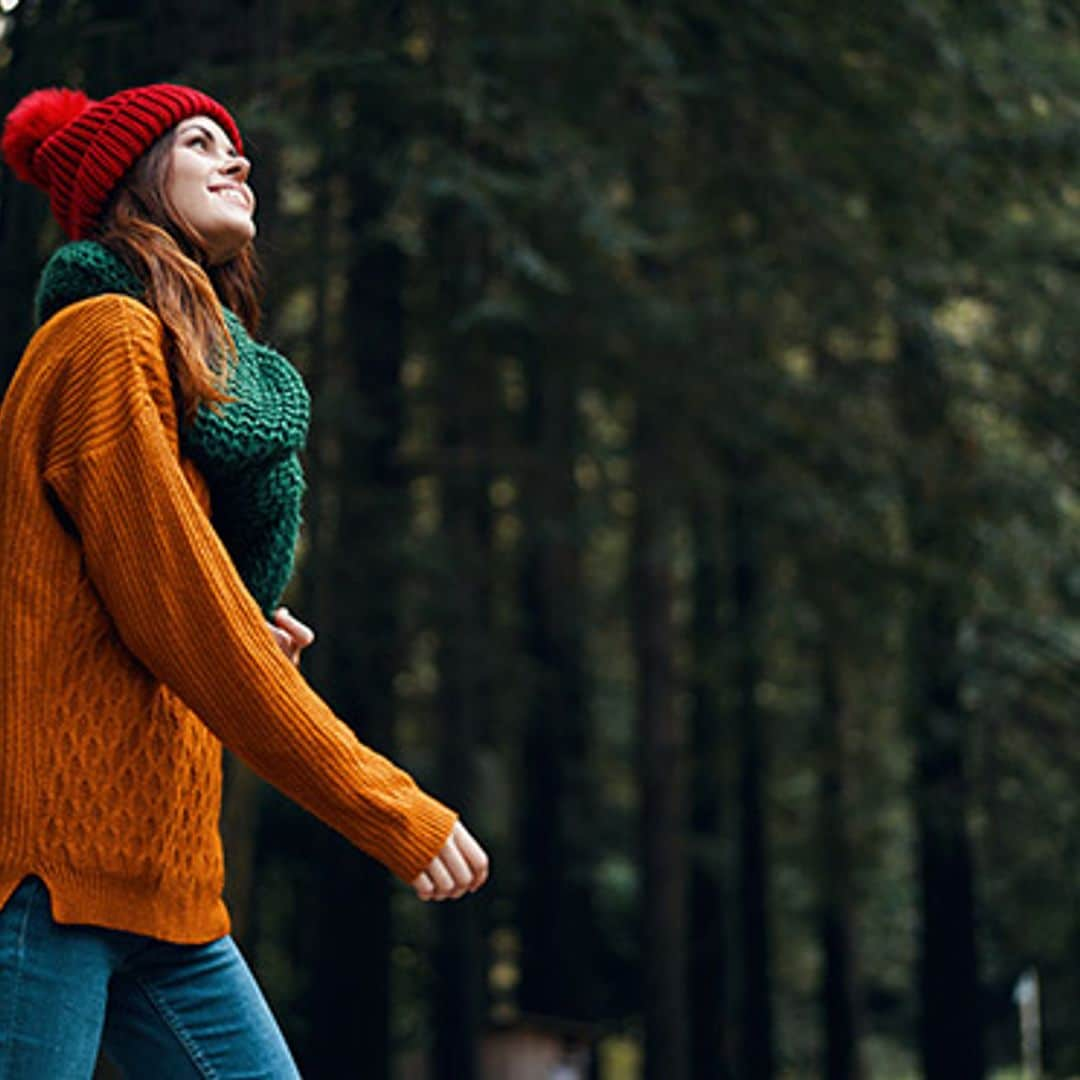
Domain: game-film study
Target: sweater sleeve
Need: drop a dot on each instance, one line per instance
(180, 607)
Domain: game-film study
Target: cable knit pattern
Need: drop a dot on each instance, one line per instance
(247, 449)
(130, 646)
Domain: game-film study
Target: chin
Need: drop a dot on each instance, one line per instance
(226, 252)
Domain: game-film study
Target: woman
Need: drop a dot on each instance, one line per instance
(149, 505)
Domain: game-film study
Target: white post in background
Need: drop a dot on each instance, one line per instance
(1026, 996)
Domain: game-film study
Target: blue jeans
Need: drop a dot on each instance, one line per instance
(159, 1010)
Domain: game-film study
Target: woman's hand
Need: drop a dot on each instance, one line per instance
(460, 867)
(292, 636)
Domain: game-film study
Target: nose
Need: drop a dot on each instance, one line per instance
(237, 168)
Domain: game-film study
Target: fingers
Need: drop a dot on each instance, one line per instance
(291, 634)
(285, 643)
(441, 876)
(473, 854)
(301, 633)
(424, 886)
(461, 866)
(459, 872)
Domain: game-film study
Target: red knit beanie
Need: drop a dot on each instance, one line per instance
(78, 150)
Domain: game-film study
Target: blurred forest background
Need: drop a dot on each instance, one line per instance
(693, 502)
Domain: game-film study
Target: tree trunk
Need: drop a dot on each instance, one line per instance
(663, 768)
(463, 699)
(464, 615)
(557, 960)
(358, 557)
(243, 789)
(459, 956)
(710, 888)
(951, 1029)
(837, 884)
(754, 906)
(37, 52)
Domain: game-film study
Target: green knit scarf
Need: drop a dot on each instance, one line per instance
(247, 449)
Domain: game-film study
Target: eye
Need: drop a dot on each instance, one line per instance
(198, 140)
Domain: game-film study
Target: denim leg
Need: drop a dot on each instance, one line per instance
(53, 988)
(182, 1011)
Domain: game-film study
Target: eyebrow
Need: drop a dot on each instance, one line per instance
(198, 126)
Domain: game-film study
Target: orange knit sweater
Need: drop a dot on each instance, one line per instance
(129, 647)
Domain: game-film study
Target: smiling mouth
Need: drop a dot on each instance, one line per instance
(233, 195)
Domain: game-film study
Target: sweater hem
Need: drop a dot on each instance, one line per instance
(84, 898)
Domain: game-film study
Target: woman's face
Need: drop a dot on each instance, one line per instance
(207, 186)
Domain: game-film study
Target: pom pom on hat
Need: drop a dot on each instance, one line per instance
(78, 150)
(32, 121)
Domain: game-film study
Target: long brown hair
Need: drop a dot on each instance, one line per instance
(143, 228)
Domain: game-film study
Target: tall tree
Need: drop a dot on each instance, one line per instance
(756, 1025)
(839, 991)
(36, 42)
(936, 475)
(463, 697)
(360, 564)
(662, 749)
(556, 905)
(710, 888)
(464, 608)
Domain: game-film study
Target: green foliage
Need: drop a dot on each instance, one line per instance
(728, 213)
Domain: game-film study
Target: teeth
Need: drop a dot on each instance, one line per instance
(233, 196)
